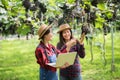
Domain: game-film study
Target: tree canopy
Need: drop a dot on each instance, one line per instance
(24, 16)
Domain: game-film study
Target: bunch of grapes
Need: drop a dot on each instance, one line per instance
(91, 18)
(33, 7)
(85, 28)
(67, 14)
(26, 4)
(42, 7)
(87, 8)
(66, 9)
(115, 1)
(50, 20)
(10, 30)
(94, 2)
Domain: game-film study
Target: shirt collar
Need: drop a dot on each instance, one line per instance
(42, 44)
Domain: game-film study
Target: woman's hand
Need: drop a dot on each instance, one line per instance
(82, 38)
(65, 65)
(70, 43)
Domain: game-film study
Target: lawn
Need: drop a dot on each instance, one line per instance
(17, 60)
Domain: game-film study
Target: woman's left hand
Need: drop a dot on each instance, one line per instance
(70, 43)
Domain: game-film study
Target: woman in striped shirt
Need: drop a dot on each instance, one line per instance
(73, 71)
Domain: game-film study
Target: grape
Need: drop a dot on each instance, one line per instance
(27, 4)
(85, 28)
(87, 8)
(33, 8)
(42, 7)
(91, 17)
(94, 3)
(50, 20)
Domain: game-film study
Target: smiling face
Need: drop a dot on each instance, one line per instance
(66, 34)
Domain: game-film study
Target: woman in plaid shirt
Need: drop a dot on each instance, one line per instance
(73, 71)
(46, 53)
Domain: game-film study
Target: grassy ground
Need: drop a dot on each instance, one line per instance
(17, 60)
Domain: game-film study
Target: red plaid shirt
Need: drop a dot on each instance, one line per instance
(41, 57)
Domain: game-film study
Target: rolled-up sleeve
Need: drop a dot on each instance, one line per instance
(41, 59)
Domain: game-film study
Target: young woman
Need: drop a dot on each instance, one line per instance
(46, 53)
(73, 71)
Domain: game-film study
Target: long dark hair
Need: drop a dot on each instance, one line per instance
(62, 40)
(47, 32)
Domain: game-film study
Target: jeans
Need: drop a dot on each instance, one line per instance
(47, 75)
(71, 78)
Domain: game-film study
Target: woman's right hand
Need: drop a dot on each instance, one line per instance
(65, 65)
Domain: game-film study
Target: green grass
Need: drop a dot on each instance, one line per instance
(17, 60)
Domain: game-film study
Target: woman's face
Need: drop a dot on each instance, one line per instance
(66, 34)
(49, 36)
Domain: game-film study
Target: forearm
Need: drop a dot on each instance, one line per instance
(81, 50)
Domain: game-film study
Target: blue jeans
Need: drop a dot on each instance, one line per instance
(71, 78)
(47, 75)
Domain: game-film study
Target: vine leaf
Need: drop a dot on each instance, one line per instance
(99, 22)
(101, 6)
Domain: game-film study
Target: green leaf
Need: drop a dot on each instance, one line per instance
(109, 15)
(99, 21)
(101, 6)
(23, 29)
(51, 2)
(70, 1)
(5, 3)
(98, 24)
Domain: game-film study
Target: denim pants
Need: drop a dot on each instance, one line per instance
(71, 78)
(47, 75)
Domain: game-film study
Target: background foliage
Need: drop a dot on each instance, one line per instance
(23, 18)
